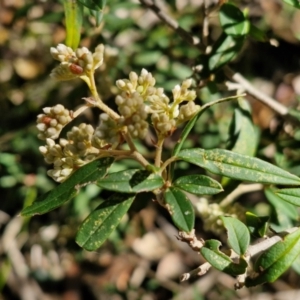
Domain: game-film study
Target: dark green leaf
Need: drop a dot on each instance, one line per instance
(257, 34)
(224, 50)
(220, 261)
(257, 225)
(68, 189)
(74, 17)
(233, 20)
(180, 209)
(238, 234)
(281, 207)
(289, 195)
(243, 134)
(294, 3)
(238, 166)
(198, 185)
(131, 181)
(98, 226)
(276, 260)
(98, 15)
(91, 4)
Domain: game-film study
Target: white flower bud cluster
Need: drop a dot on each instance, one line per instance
(182, 93)
(75, 63)
(108, 132)
(187, 111)
(71, 153)
(143, 84)
(63, 166)
(163, 125)
(80, 139)
(52, 121)
(131, 101)
(210, 214)
(133, 110)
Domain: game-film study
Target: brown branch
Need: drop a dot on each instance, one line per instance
(173, 24)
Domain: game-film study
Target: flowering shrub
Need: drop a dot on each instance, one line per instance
(86, 154)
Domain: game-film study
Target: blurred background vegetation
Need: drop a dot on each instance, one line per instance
(142, 259)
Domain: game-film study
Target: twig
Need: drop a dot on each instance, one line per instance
(171, 23)
(240, 190)
(248, 87)
(201, 270)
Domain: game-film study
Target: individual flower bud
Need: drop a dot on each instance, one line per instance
(51, 122)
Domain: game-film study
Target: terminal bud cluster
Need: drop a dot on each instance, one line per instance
(140, 104)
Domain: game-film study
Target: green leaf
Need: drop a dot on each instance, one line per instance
(257, 225)
(238, 166)
(238, 234)
(281, 207)
(224, 50)
(98, 226)
(198, 185)
(74, 17)
(233, 20)
(180, 209)
(220, 261)
(276, 260)
(98, 15)
(243, 134)
(69, 188)
(131, 181)
(93, 4)
(296, 265)
(294, 3)
(289, 195)
(257, 34)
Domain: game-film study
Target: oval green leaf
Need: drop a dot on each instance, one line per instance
(224, 50)
(233, 20)
(276, 260)
(98, 226)
(131, 181)
(69, 188)
(238, 234)
(74, 16)
(220, 260)
(238, 166)
(289, 195)
(180, 209)
(198, 185)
